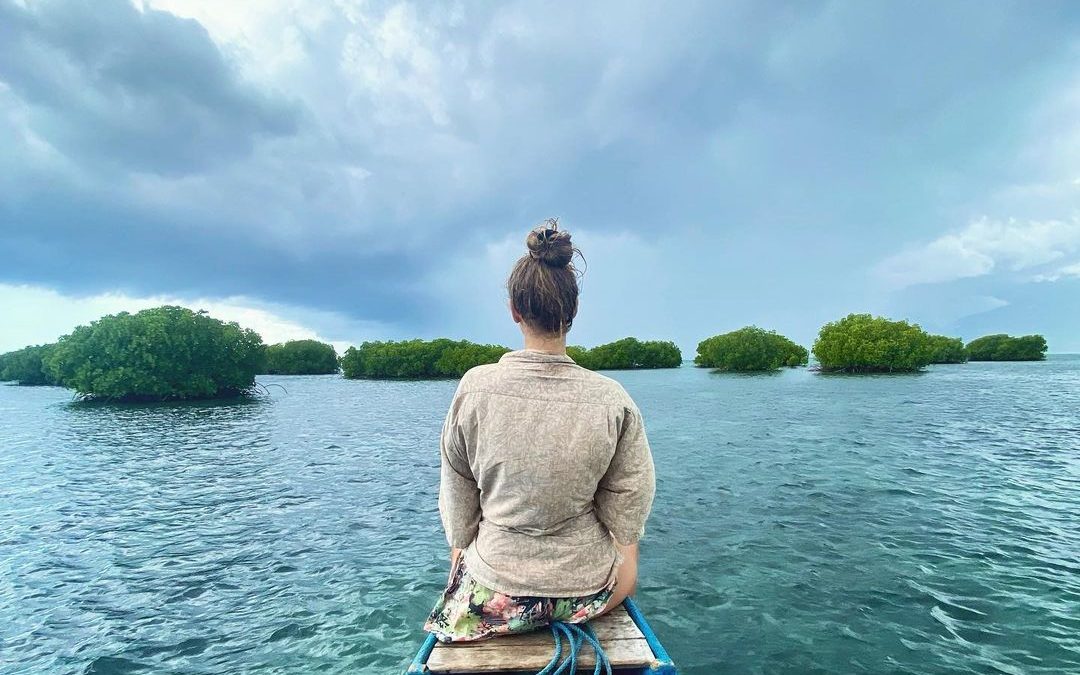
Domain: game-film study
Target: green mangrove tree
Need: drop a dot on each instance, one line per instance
(164, 353)
(945, 349)
(750, 349)
(27, 366)
(627, 354)
(1003, 347)
(861, 343)
(416, 359)
(301, 357)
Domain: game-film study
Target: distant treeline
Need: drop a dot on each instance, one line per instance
(1004, 348)
(750, 349)
(414, 359)
(626, 354)
(858, 343)
(300, 357)
(168, 353)
(27, 366)
(861, 343)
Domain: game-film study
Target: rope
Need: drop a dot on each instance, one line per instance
(576, 635)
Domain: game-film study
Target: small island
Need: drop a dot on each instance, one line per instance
(174, 353)
(861, 343)
(416, 359)
(748, 350)
(627, 354)
(26, 366)
(161, 354)
(1003, 347)
(300, 357)
(945, 349)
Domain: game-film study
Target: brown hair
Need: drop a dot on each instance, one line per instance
(543, 285)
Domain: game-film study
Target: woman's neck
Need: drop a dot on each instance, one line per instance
(546, 343)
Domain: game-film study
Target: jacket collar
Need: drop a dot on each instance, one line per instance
(534, 356)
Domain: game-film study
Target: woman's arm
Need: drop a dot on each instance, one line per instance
(459, 496)
(623, 501)
(625, 576)
(627, 568)
(624, 495)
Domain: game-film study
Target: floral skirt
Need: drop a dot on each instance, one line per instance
(468, 610)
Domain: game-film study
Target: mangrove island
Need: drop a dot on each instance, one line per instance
(160, 354)
(1002, 347)
(174, 353)
(416, 359)
(26, 366)
(861, 343)
(750, 349)
(300, 357)
(627, 354)
(945, 349)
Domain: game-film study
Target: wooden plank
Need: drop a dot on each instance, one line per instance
(619, 635)
(490, 657)
(616, 625)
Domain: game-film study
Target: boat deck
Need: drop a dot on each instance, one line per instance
(629, 648)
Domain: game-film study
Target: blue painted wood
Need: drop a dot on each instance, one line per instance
(419, 662)
(664, 665)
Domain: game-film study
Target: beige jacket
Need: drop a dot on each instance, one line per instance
(543, 462)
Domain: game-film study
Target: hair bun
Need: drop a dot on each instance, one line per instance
(550, 245)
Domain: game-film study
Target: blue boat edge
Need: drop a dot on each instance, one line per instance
(419, 662)
(662, 665)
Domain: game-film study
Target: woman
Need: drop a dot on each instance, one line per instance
(547, 477)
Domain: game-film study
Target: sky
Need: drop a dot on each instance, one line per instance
(362, 170)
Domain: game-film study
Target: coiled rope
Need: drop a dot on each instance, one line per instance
(576, 635)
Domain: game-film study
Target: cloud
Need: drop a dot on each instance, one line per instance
(355, 158)
(1067, 271)
(35, 315)
(983, 247)
(91, 245)
(142, 89)
(942, 310)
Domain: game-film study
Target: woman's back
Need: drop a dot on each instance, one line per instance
(546, 478)
(555, 458)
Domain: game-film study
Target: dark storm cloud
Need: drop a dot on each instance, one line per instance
(144, 253)
(143, 89)
(755, 152)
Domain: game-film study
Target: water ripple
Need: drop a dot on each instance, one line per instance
(803, 524)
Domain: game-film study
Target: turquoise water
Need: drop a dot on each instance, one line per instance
(803, 523)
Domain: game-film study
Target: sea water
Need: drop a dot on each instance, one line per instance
(803, 523)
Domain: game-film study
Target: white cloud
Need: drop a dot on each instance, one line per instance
(984, 246)
(35, 315)
(1068, 271)
(265, 37)
(394, 57)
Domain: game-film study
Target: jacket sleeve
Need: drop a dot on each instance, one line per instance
(624, 495)
(459, 496)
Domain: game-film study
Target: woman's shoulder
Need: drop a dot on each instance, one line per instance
(479, 375)
(609, 387)
(579, 383)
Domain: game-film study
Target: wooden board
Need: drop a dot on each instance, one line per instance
(623, 643)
